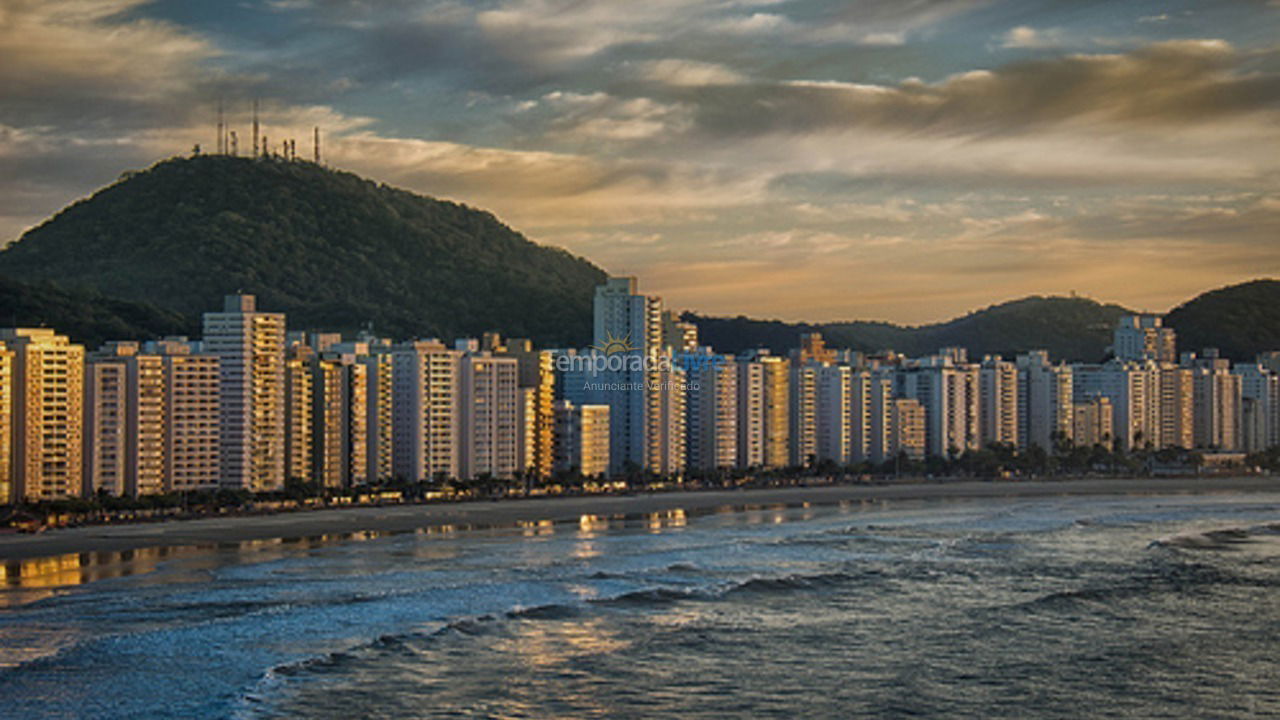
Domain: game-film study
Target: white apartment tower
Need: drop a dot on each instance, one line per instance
(249, 346)
(949, 394)
(424, 405)
(833, 413)
(803, 413)
(490, 400)
(1259, 407)
(1045, 397)
(998, 409)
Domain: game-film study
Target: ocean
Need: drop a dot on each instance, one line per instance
(1106, 606)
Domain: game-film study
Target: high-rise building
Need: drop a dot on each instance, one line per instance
(489, 403)
(677, 334)
(126, 422)
(1216, 401)
(581, 439)
(750, 404)
(1092, 422)
(813, 349)
(1177, 407)
(949, 394)
(48, 414)
(711, 410)
(250, 348)
(763, 410)
(379, 413)
(6, 425)
(1134, 392)
(998, 409)
(425, 411)
(1045, 397)
(628, 325)
(803, 414)
(537, 378)
(833, 385)
(907, 433)
(192, 416)
(299, 407)
(1259, 407)
(870, 415)
(105, 436)
(665, 432)
(1144, 337)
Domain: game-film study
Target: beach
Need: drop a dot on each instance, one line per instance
(506, 513)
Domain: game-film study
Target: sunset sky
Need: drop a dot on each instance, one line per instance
(899, 160)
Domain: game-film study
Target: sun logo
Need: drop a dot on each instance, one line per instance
(612, 345)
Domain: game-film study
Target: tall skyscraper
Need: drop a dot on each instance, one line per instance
(48, 414)
(629, 325)
(250, 348)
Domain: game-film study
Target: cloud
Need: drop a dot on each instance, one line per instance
(1028, 37)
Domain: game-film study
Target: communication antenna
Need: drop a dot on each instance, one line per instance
(235, 145)
(266, 152)
(317, 144)
(255, 127)
(221, 139)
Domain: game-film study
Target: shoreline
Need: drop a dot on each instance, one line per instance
(409, 518)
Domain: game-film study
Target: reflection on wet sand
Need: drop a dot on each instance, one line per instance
(30, 580)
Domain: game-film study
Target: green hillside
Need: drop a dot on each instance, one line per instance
(330, 249)
(1241, 320)
(86, 317)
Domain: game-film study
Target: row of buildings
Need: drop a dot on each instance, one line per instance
(250, 404)
(689, 409)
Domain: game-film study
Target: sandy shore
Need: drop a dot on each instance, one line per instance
(403, 518)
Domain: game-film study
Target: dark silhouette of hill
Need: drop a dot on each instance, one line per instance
(329, 248)
(1241, 320)
(1069, 328)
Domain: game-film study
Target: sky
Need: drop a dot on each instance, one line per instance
(899, 160)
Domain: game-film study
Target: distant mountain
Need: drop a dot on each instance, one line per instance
(1069, 328)
(329, 248)
(1240, 320)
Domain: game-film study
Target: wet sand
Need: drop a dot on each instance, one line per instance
(406, 518)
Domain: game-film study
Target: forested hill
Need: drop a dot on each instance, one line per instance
(329, 248)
